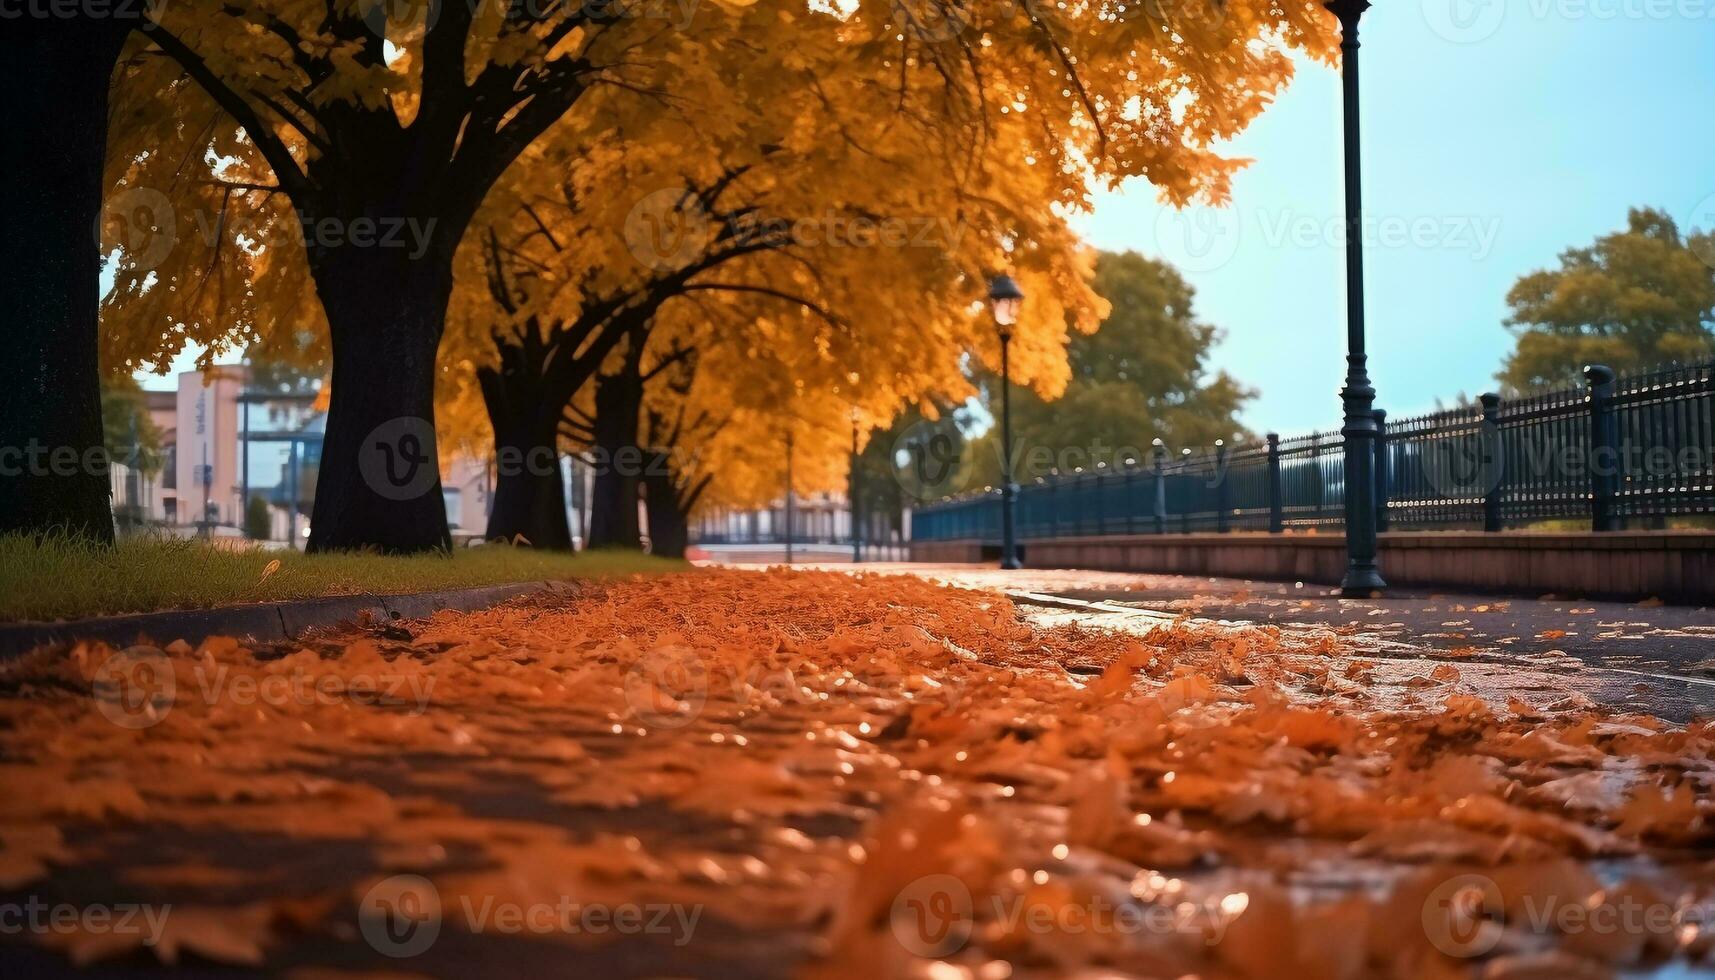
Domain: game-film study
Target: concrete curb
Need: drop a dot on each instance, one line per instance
(263, 622)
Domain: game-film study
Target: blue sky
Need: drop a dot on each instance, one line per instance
(1495, 134)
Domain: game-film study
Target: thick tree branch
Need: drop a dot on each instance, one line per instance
(290, 176)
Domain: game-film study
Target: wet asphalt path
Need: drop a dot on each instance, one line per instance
(1640, 657)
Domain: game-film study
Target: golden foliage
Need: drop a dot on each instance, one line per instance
(973, 130)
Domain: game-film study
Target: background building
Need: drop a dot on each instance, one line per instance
(240, 450)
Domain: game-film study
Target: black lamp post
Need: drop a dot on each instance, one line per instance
(1005, 298)
(857, 532)
(1362, 575)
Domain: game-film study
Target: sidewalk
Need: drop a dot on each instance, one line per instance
(1626, 656)
(779, 773)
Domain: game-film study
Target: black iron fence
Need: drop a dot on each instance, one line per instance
(1614, 452)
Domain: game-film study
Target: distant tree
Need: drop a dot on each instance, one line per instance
(282, 377)
(258, 523)
(1630, 299)
(133, 440)
(131, 436)
(1142, 375)
(916, 461)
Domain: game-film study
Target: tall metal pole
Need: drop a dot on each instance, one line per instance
(857, 532)
(1362, 574)
(1008, 488)
(788, 497)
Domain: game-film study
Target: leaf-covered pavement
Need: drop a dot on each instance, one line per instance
(728, 773)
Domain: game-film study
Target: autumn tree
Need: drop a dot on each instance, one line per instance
(674, 482)
(724, 395)
(385, 135)
(1631, 299)
(554, 311)
(721, 395)
(773, 209)
(383, 127)
(347, 126)
(55, 67)
(723, 432)
(646, 435)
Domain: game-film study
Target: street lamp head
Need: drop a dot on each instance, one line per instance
(1348, 12)
(1346, 8)
(1005, 298)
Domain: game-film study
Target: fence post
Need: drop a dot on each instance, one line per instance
(1276, 504)
(1491, 430)
(1099, 506)
(1383, 473)
(1160, 453)
(1185, 471)
(1222, 522)
(1604, 458)
(1131, 496)
(1316, 471)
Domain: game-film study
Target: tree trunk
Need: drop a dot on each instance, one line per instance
(54, 77)
(669, 523)
(379, 485)
(619, 462)
(529, 493)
